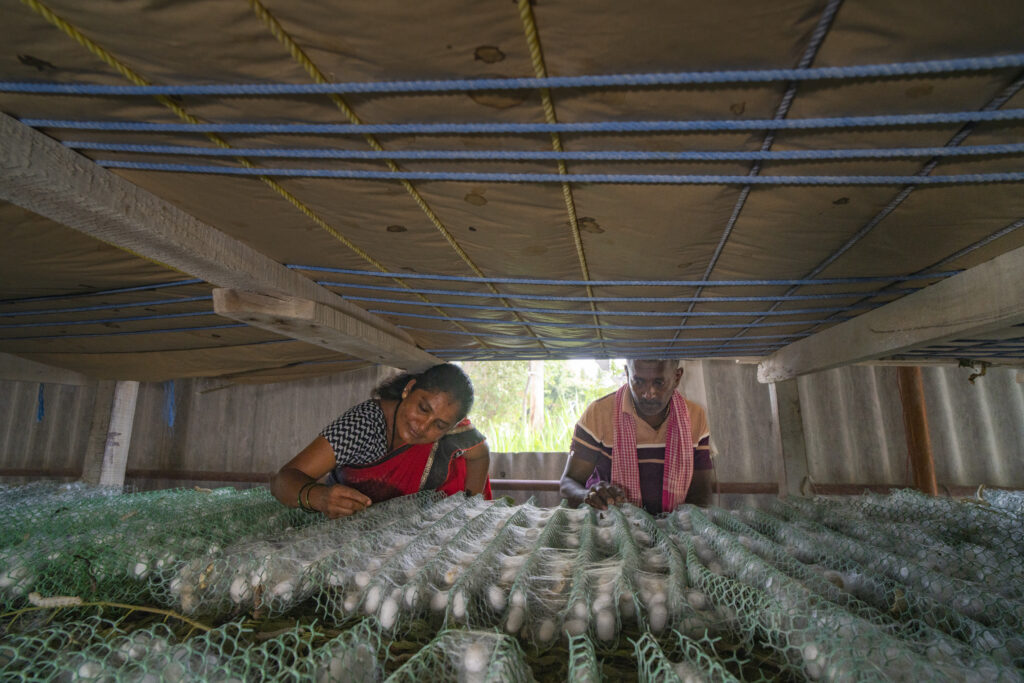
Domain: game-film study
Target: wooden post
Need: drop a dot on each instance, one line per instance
(915, 422)
(96, 446)
(788, 436)
(107, 459)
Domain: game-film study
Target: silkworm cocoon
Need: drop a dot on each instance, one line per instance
(517, 599)
(389, 610)
(546, 631)
(438, 601)
(239, 590)
(412, 595)
(657, 615)
(373, 596)
(141, 570)
(459, 605)
(687, 673)
(603, 601)
(579, 609)
(515, 619)
(605, 626)
(362, 579)
(496, 597)
(89, 670)
(476, 657)
(351, 602)
(696, 599)
(575, 627)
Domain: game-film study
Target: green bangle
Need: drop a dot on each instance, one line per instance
(298, 499)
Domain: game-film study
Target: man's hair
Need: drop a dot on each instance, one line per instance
(674, 364)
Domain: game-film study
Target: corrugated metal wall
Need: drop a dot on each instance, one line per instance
(852, 423)
(54, 441)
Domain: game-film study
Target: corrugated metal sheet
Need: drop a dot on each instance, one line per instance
(852, 424)
(57, 440)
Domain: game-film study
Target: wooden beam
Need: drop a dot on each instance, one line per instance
(318, 324)
(982, 299)
(45, 177)
(18, 369)
(915, 422)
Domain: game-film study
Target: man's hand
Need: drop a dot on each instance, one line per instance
(337, 500)
(602, 494)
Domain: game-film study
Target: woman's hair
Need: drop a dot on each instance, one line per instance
(445, 377)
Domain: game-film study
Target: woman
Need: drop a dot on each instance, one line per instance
(413, 435)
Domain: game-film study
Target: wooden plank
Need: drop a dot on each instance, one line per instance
(915, 423)
(42, 176)
(979, 300)
(18, 369)
(318, 324)
(788, 436)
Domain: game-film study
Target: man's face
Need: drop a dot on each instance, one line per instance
(652, 384)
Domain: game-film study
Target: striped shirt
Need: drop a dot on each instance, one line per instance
(594, 438)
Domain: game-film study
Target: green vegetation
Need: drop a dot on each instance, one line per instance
(504, 411)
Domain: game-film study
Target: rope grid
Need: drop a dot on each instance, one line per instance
(299, 55)
(540, 70)
(781, 111)
(108, 58)
(991, 106)
(992, 112)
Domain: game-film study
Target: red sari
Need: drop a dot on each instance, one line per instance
(421, 467)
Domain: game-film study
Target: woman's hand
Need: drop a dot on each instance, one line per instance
(602, 494)
(337, 500)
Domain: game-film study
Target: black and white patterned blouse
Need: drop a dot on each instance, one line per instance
(358, 436)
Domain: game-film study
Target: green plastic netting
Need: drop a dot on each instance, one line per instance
(230, 585)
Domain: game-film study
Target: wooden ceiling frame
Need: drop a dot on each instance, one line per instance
(41, 175)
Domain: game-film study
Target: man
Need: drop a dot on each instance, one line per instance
(644, 444)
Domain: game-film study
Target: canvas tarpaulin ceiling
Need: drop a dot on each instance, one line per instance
(73, 301)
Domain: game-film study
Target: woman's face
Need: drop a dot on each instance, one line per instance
(425, 416)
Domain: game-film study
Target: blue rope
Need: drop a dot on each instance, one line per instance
(575, 352)
(582, 326)
(897, 69)
(542, 155)
(670, 339)
(134, 332)
(525, 337)
(102, 292)
(628, 283)
(105, 321)
(40, 405)
(618, 178)
(938, 118)
(104, 307)
(559, 311)
(617, 299)
(169, 403)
